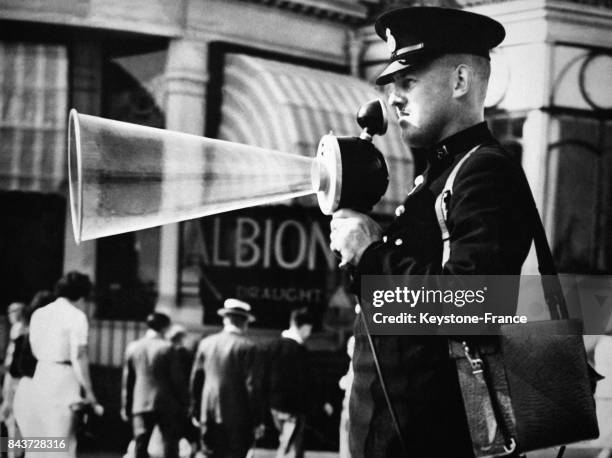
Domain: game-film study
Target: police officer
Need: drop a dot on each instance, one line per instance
(438, 75)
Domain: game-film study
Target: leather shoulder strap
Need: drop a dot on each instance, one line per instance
(442, 205)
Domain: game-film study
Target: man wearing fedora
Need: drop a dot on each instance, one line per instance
(437, 79)
(226, 386)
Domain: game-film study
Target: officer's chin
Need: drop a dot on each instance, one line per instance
(411, 138)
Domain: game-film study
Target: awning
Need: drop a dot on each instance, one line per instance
(289, 107)
(33, 107)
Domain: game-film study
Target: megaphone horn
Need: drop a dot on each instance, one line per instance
(126, 177)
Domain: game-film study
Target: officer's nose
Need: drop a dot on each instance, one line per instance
(396, 101)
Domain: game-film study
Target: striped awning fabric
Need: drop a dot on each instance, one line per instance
(33, 106)
(289, 107)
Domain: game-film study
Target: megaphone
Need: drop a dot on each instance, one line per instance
(125, 177)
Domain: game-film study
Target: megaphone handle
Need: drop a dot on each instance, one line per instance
(337, 253)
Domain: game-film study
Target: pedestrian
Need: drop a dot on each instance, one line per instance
(58, 338)
(226, 386)
(290, 383)
(154, 389)
(21, 369)
(177, 335)
(437, 78)
(345, 384)
(16, 318)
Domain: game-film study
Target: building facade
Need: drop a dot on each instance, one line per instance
(278, 75)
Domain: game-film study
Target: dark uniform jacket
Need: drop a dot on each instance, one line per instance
(489, 221)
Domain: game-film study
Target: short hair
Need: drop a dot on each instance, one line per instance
(176, 333)
(481, 69)
(480, 65)
(300, 317)
(73, 286)
(158, 321)
(40, 299)
(237, 319)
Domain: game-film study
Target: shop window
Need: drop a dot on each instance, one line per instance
(128, 264)
(31, 244)
(582, 208)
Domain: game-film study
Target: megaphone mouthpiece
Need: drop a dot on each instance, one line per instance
(351, 173)
(372, 118)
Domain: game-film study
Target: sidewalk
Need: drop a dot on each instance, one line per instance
(574, 452)
(257, 453)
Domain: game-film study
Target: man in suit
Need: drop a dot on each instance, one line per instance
(154, 388)
(226, 386)
(290, 384)
(438, 74)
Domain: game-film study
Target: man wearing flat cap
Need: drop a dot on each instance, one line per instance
(437, 79)
(226, 386)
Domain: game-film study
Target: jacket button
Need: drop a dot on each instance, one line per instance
(442, 152)
(399, 211)
(357, 309)
(385, 239)
(398, 242)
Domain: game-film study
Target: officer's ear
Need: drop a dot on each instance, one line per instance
(462, 80)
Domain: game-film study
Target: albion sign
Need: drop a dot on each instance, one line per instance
(276, 258)
(288, 244)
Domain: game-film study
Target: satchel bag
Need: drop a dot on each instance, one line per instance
(531, 387)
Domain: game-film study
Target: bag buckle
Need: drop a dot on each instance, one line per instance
(475, 361)
(508, 449)
(446, 197)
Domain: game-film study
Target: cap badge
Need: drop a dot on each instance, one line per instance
(391, 43)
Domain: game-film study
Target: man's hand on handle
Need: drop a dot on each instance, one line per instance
(351, 233)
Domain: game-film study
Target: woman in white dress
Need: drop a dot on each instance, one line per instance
(58, 337)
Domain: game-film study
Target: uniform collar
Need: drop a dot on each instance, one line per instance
(459, 143)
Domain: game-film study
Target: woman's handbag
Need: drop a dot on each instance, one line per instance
(87, 419)
(531, 387)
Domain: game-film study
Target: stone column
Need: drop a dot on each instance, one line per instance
(536, 138)
(186, 79)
